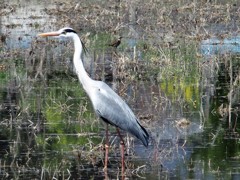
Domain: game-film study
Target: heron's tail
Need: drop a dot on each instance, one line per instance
(143, 135)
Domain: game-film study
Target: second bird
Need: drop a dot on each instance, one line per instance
(116, 43)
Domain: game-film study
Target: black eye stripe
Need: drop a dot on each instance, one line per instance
(69, 30)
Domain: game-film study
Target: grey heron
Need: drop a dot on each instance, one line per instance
(108, 105)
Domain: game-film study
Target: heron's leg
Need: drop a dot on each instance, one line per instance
(106, 149)
(122, 150)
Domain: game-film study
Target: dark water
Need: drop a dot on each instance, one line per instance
(48, 129)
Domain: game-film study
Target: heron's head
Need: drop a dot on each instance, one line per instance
(64, 32)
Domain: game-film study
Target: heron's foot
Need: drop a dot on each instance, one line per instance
(105, 173)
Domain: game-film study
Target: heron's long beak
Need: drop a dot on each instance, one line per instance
(49, 34)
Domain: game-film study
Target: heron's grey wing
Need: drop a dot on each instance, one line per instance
(111, 108)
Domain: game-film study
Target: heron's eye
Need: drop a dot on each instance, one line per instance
(64, 32)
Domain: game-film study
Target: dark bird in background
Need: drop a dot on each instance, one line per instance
(116, 43)
(108, 105)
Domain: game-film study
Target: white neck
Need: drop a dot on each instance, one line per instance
(80, 70)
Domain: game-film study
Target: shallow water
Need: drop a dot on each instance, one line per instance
(48, 130)
(220, 46)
